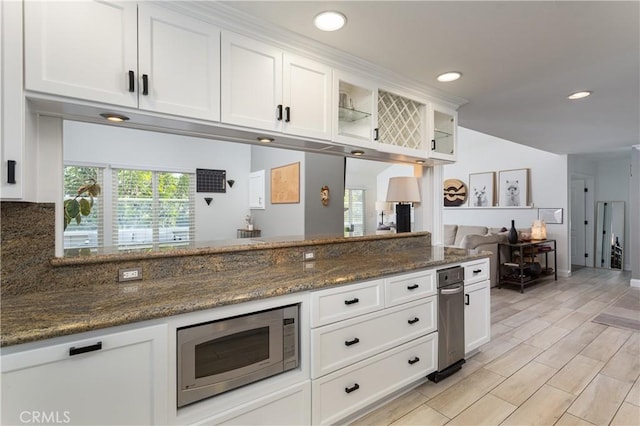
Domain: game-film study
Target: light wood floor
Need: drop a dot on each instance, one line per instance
(547, 364)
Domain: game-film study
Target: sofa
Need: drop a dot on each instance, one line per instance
(479, 238)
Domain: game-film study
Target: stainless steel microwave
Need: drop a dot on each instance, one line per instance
(222, 355)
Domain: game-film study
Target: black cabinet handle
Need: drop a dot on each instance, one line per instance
(466, 301)
(433, 144)
(412, 286)
(414, 360)
(351, 342)
(145, 84)
(477, 271)
(414, 320)
(376, 134)
(77, 351)
(11, 171)
(287, 114)
(352, 301)
(279, 112)
(352, 388)
(132, 81)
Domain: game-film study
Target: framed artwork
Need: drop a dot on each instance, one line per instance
(285, 184)
(513, 188)
(482, 189)
(550, 215)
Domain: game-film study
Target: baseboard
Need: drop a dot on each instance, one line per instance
(564, 273)
(635, 282)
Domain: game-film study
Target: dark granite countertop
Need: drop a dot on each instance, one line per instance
(57, 312)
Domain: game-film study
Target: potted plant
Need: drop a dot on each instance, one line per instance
(81, 204)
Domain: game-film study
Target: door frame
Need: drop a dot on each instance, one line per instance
(589, 215)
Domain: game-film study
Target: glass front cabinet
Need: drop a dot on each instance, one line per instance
(443, 132)
(355, 117)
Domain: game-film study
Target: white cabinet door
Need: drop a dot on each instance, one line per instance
(82, 49)
(443, 124)
(256, 190)
(355, 106)
(477, 315)
(180, 62)
(120, 379)
(306, 97)
(251, 83)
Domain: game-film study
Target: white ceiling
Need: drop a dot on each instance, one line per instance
(519, 61)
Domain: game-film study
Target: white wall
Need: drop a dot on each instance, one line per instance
(548, 182)
(110, 145)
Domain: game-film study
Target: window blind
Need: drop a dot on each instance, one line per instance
(89, 234)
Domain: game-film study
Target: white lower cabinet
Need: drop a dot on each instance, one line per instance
(348, 390)
(290, 406)
(477, 315)
(118, 378)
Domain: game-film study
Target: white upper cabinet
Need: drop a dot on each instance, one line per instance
(85, 50)
(443, 124)
(265, 88)
(401, 125)
(91, 50)
(179, 64)
(355, 106)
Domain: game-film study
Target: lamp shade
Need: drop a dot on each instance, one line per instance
(403, 189)
(383, 206)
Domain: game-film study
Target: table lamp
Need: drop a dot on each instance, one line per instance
(404, 191)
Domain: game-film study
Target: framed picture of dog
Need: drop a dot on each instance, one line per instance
(481, 189)
(513, 188)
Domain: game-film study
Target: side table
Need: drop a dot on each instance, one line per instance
(521, 268)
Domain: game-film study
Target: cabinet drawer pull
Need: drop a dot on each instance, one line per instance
(287, 114)
(477, 271)
(414, 320)
(412, 286)
(351, 342)
(466, 302)
(433, 144)
(352, 388)
(77, 351)
(414, 360)
(352, 301)
(145, 84)
(279, 112)
(11, 171)
(132, 81)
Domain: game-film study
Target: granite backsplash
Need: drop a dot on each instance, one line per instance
(28, 263)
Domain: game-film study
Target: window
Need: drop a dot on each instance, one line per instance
(152, 209)
(354, 212)
(88, 234)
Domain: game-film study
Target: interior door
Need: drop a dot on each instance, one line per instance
(578, 227)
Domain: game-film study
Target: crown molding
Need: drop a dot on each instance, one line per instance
(229, 18)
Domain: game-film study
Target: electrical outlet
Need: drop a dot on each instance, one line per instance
(130, 274)
(309, 256)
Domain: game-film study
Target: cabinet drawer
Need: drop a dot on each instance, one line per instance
(476, 271)
(338, 345)
(336, 304)
(407, 287)
(346, 391)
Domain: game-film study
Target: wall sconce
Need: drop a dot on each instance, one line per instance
(403, 190)
(538, 230)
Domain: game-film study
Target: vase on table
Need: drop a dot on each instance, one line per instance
(512, 237)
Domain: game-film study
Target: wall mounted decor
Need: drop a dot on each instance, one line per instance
(455, 192)
(482, 189)
(208, 200)
(553, 216)
(513, 188)
(209, 180)
(285, 184)
(324, 195)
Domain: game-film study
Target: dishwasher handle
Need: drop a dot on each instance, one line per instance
(452, 290)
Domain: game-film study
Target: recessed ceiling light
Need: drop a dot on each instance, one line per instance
(329, 20)
(357, 152)
(449, 76)
(116, 118)
(265, 139)
(579, 95)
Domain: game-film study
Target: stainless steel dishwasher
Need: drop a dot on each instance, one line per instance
(450, 322)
